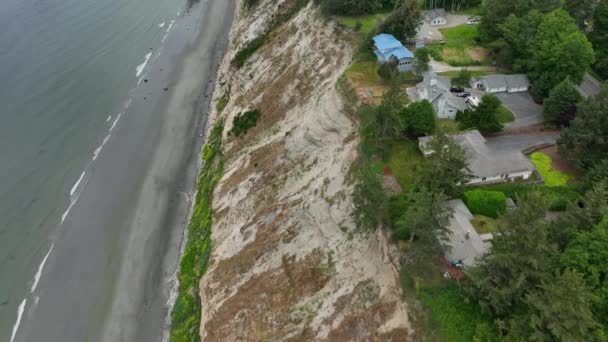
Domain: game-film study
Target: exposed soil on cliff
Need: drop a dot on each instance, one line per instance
(286, 260)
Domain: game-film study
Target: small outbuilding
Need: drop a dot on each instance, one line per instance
(501, 83)
(436, 17)
(387, 48)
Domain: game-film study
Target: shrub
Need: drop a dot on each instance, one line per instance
(487, 203)
(244, 121)
(249, 49)
(557, 197)
(388, 71)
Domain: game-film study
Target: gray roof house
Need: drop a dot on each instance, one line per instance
(488, 164)
(501, 83)
(464, 244)
(436, 90)
(436, 17)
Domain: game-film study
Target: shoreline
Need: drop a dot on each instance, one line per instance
(121, 240)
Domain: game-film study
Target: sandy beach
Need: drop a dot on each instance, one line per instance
(112, 267)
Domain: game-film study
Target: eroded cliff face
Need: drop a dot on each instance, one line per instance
(287, 261)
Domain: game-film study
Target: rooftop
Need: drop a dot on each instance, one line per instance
(483, 160)
(436, 87)
(466, 245)
(430, 15)
(506, 81)
(388, 46)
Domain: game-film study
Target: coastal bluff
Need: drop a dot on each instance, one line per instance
(287, 261)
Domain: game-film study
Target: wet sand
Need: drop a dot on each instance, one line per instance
(109, 275)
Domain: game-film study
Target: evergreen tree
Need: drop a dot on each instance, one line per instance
(519, 260)
(446, 171)
(560, 101)
(560, 310)
(586, 140)
(403, 23)
(388, 121)
(599, 37)
(422, 60)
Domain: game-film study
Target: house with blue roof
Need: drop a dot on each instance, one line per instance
(388, 48)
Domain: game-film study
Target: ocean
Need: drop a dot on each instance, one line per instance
(68, 70)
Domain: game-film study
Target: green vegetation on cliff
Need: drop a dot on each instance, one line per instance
(186, 315)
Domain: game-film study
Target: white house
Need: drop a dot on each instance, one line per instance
(436, 17)
(436, 90)
(466, 246)
(387, 48)
(501, 83)
(486, 163)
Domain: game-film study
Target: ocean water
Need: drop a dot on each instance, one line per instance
(66, 71)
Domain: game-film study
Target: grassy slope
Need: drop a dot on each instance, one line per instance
(504, 115)
(368, 22)
(405, 162)
(186, 314)
(458, 41)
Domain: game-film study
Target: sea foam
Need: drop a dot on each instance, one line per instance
(140, 68)
(40, 268)
(19, 314)
(75, 187)
(161, 25)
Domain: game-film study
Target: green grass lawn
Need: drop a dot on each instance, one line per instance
(544, 165)
(504, 115)
(447, 126)
(364, 73)
(460, 48)
(474, 73)
(405, 161)
(484, 224)
(367, 22)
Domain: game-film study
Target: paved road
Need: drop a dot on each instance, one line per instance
(106, 279)
(525, 110)
(589, 87)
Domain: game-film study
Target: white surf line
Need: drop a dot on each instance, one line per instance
(115, 122)
(140, 68)
(170, 26)
(109, 118)
(98, 150)
(73, 201)
(75, 187)
(40, 268)
(19, 315)
(161, 25)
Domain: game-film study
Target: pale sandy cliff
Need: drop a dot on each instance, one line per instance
(287, 261)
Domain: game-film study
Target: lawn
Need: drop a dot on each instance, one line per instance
(461, 47)
(446, 126)
(405, 161)
(484, 224)
(364, 23)
(474, 73)
(504, 115)
(364, 74)
(544, 165)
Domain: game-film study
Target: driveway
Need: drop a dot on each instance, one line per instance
(525, 110)
(589, 87)
(428, 32)
(442, 67)
(521, 142)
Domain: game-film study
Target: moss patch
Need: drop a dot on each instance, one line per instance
(544, 165)
(484, 224)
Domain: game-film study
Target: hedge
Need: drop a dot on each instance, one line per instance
(487, 203)
(557, 197)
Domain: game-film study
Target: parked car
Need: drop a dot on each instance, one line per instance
(456, 89)
(465, 95)
(473, 20)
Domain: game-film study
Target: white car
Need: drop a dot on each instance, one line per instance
(473, 20)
